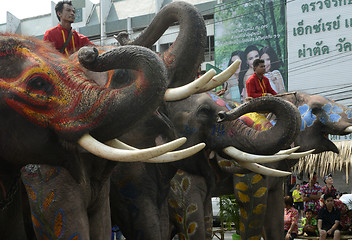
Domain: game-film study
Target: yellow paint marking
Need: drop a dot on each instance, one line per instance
(239, 175)
(243, 213)
(241, 186)
(257, 178)
(243, 197)
(260, 192)
(259, 209)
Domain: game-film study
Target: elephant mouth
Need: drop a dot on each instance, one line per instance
(327, 145)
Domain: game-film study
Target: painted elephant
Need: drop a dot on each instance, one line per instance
(139, 198)
(259, 196)
(52, 116)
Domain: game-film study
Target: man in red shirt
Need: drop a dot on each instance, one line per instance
(66, 14)
(258, 85)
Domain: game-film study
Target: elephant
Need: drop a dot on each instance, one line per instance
(260, 197)
(138, 198)
(53, 118)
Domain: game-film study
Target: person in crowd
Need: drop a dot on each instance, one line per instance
(329, 187)
(231, 87)
(258, 85)
(297, 199)
(65, 39)
(311, 193)
(344, 205)
(309, 224)
(290, 219)
(272, 72)
(329, 219)
(250, 54)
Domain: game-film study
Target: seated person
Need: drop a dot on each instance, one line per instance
(290, 219)
(329, 219)
(344, 204)
(258, 85)
(309, 224)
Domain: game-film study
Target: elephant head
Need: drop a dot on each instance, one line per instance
(47, 107)
(320, 117)
(49, 101)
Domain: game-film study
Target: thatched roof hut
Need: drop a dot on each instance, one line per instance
(328, 162)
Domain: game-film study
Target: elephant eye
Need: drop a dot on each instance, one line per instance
(39, 84)
(315, 110)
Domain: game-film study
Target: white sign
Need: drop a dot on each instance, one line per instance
(340, 138)
(319, 44)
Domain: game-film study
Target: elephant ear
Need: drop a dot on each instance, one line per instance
(183, 57)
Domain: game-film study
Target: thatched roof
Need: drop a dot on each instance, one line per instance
(327, 162)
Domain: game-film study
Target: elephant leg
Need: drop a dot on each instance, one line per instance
(274, 218)
(58, 210)
(251, 193)
(11, 220)
(99, 215)
(187, 200)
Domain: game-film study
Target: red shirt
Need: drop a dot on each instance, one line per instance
(258, 88)
(58, 35)
(291, 216)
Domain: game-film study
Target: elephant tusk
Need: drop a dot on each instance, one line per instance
(167, 157)
(221, 77)
(299, 154)
(264, 170)
(348, 129)
(252, 158)
(101, 150)
(174, 94)
(288, 151)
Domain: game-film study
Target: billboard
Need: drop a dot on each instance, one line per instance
(248, 30)
(319, 46)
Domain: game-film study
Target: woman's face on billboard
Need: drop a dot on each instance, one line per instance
(267, 62)
(251, 56)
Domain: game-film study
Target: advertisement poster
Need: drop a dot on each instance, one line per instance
(248, 30)
(319, 37)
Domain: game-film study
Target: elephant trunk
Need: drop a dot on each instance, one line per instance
(245, 138)
(108, 113)
(185, 55)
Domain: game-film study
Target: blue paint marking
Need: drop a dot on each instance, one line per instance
(188, 131)
(75, 236)
(327, 108)
(349, 113)
(217, 98)
(334, 117)
(337, 109)
(303, 109)
(309, 118)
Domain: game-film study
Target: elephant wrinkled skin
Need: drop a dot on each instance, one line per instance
(138, 190)
(47, 104)
(260, 197)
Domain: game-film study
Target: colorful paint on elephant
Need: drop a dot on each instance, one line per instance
(44, 84)
(250, 193)
(182, 213)
(331, 114)
(44, 201)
